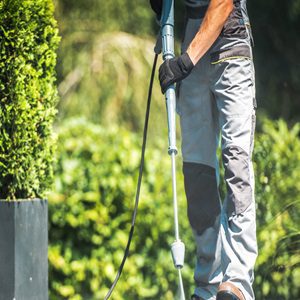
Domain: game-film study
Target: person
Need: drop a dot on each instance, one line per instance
(216, 101)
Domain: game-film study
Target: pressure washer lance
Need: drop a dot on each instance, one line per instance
(165, 42)
(167, 34)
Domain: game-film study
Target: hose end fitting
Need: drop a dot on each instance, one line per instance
(178, 251)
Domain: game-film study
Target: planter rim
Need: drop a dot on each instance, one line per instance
(22, 200)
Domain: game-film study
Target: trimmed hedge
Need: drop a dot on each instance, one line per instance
(91, 208)
(29, 39)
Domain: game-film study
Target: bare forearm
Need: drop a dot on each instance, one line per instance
(211, 27)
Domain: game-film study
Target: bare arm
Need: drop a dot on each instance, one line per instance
(214, 20)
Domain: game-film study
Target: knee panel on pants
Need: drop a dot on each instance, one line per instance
(202, 195)
(237, 177)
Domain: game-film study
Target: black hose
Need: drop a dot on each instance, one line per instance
(137, 196)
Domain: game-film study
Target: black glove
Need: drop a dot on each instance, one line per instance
(174, 70)
(156, 5)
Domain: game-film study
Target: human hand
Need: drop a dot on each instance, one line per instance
(174, 70)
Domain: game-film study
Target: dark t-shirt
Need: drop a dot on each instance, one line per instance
(196, 3)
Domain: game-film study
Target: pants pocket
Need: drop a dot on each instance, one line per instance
(242, 51)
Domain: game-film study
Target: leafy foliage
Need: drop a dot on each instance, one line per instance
(277, 158)
(110, 86)
(100, 15)
(29, 38)
(90, 215)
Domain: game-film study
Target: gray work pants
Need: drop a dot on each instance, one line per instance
(217, 100)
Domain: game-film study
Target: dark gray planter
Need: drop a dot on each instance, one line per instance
(24, 250)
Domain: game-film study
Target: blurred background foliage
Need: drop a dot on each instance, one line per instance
(103, 69)
(90, 213)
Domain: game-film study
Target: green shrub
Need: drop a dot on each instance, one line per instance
(28, 40)
(90, 215)
(277, 162)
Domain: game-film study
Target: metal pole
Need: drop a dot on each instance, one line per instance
(167, 29)
(167, 33)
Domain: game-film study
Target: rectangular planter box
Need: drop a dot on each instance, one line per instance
(24, 250)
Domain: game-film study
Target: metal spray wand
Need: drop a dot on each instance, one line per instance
(167, 33)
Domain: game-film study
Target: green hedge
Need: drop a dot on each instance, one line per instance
(91, 208)
(28, 41)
